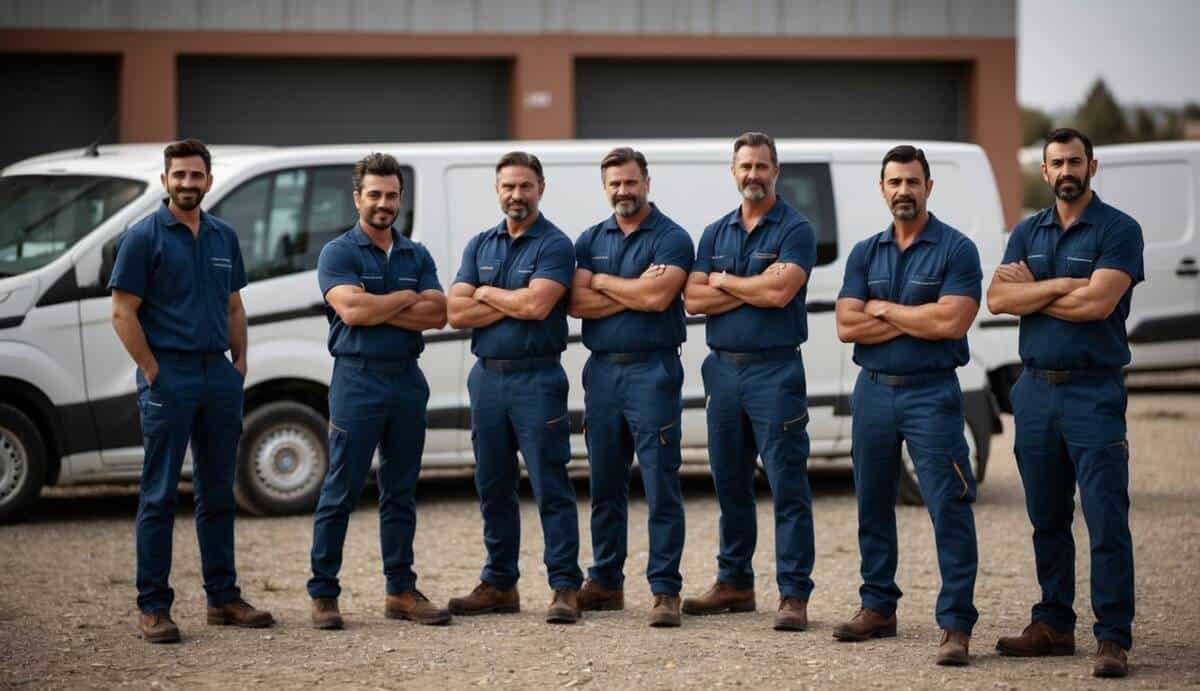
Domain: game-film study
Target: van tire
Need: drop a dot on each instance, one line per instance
(910, 488)
(282, 459)
(22, 464)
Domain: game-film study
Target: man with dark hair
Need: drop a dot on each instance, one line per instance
(909, 296)
(176, 310)
(381, 290)
(750, 278)
(631, 269)
(511, 290)
(1068, 273)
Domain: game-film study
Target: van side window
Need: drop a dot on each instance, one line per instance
(809, 188)
(284, 218)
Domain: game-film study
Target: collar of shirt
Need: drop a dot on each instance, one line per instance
(534, 231)
(1091, 214)
(168, 219)
(650, 222)
(360, 237)
(773, 215)
(931, 233)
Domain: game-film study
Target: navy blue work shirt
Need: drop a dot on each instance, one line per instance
(352, 259)
(1102, 238)
(783, 235)
(941, 261)
(493, 258)
(184, 281)
(605, 249)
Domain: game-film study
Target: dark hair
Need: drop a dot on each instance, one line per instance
(905, 154)
(379, 164)
(520, 158)
(622, 155)
(757, 139)
(1063, 135)
(186, 148)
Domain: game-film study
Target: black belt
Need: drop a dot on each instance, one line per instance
(1062, 376)
(756, 355)
(518, 365)
(370, 365)
(907, 379)
(627, 358)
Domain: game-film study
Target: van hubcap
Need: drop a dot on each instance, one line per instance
(287, 461)
(14, 464)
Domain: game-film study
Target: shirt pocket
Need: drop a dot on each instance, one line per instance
(723, 262)
(1039, 266)
(1079, 264)
(879, 287)
(922, 289)
(759, 261)
(373, 283)
(221, 271)
(524, 273)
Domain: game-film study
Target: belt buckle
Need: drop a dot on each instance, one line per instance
(1057, 376)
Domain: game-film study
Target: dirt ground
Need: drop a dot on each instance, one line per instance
(67, 597)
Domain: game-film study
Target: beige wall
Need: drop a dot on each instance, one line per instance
(542, 63)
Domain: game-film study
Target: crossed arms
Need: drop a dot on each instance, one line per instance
(1015, 291)
(599, 295)
(877, 321)
(720, 292)
(407, 309)
(472, 307)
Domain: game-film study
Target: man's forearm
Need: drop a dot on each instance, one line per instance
(238, 337)
(592, 304)
(856, 326)
(641, 294)
(465, 312)
(1020, 299)
(700, 298)
(133, 338)
(1076, 306)
(930, 321)
(762, 290)
(422, 315)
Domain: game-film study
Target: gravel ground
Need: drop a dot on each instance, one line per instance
(67, 597)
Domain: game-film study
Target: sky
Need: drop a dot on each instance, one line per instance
(1148, 51)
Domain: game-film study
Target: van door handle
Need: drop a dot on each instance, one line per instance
(1187, 268)
(821, 306)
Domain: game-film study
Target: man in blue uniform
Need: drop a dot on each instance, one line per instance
(909, 296)
(512, 291)
(750, 278)
(382, 291)
(177, 309)
(631, 269)
(1068, 273)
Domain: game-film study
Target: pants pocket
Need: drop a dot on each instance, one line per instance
(555, 443)
(965, 488)
(795, 438)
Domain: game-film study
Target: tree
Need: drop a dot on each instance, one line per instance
(1145, 129)
(1035, 125)
(1100, 116)
(1191, 110)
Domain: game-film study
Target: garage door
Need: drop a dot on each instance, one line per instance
(701, 98)
(54, 102)
(323, 101)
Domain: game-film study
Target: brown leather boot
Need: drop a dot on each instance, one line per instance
(1038, 639)
(414, 606)
(665, 611)
(564, 606)
(486, 599)
(792, 614)
(954, 650)
(239, 613)
(865, 625)
(1110, 661)
(719, 599)
(158, 627)
(325, 614)
(593, 596)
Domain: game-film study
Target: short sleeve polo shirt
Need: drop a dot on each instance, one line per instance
(941, 261)
(353, 259)
(183, 280)
(1102, 238)
(783, 235)
(494, 258)
(605, 249)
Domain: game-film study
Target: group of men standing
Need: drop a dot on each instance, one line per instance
(910, 294)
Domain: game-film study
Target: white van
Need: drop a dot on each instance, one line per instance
(67, 392)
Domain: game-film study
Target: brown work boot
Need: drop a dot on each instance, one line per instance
(158, 627)
(1110, 661)
(593, 596)
(239, 613)
(487, 599)
(719, 599)
(954, 650)
(325, 614)
(564, 606)
(792, 614)
(865, 625)
(1036, 640)
(414, 606)
(665, 611)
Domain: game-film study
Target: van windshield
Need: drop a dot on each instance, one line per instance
(42, 216)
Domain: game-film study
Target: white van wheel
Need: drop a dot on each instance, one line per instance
(282, 459)
(910, 488)
(22, 464)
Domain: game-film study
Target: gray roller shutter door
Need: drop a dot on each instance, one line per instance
(722, 98)
(55, 102)
(233, 100)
